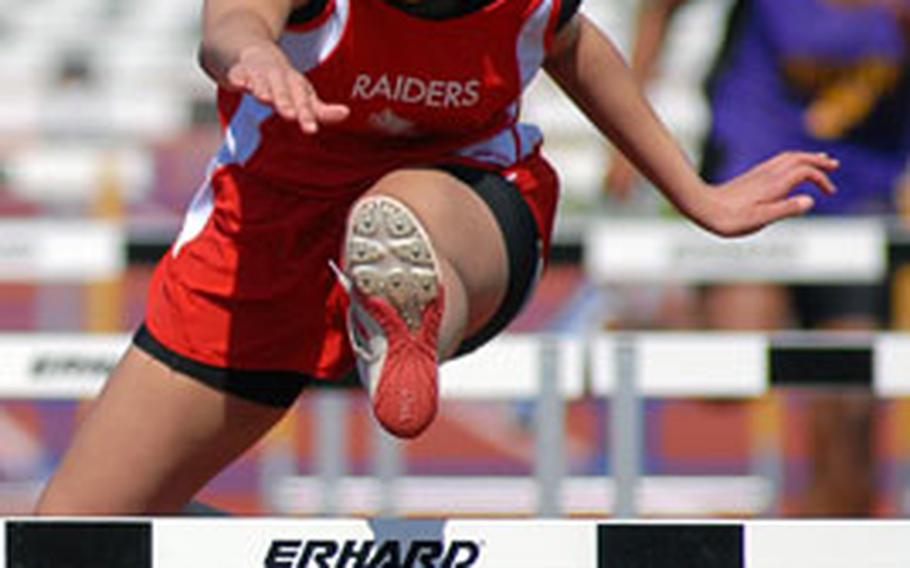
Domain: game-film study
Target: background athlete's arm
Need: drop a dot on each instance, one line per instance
(654, 19)
(593, 73)
(239, 52)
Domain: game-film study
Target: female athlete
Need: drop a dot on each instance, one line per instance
(375, 201)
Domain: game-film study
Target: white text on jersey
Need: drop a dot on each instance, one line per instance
(414, 90)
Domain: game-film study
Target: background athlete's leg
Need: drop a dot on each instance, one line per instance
(842, 441)
(468, 243)
(150, 441)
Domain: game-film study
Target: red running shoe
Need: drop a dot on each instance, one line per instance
(392, 277)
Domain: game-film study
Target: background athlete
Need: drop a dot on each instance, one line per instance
(381, 137)
(827, 75)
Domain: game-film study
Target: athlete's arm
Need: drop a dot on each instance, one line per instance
(591, 70)
(239, 52)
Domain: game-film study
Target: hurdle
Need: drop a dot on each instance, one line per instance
(622, 369)
(64, 250)
(360, 543)
(799, 251)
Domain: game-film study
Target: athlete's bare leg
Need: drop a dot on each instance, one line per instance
(468, 243)
(150, 441)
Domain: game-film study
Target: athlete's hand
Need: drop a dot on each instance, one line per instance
(264, 71)
(762, 195)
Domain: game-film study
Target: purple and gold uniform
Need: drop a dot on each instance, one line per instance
(816, 75)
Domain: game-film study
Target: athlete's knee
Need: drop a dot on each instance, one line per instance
(404, 184)
(429, 196)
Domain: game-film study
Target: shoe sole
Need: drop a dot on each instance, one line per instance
(388, 255)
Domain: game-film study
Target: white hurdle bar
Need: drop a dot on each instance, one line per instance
(615, 250)
(624, 368)
(798, 251)
(61, 250)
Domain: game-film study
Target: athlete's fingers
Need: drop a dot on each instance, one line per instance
(329, 113)
(307, 119)
(291, 95)
(818, 160)
(787, 160)
(300, 92)
(774, 164)
(259, 86)
(800, 174)
(303, 97)
(282, 100)
(781, 183)
(823, 161)
(778, 176)
(795, 206)
(238, 77)
(313, 111)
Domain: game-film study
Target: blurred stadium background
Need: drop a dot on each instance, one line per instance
(105, 117)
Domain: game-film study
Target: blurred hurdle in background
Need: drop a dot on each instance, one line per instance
(550, 370)
(621, 370)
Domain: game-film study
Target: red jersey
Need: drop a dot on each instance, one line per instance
(420, 92)
(246, 293)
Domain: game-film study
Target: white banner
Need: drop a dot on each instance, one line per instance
(246, 543)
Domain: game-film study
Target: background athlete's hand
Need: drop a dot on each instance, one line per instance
(763, 194)
(621, 178)
(264, 71)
